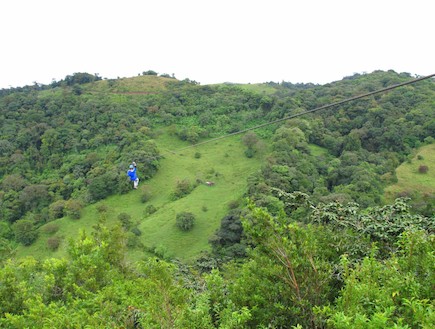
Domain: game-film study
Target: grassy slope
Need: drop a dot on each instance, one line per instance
(410, 180)
(139, 84)
(259, 88)
(223, 162)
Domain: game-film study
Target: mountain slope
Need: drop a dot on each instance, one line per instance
(222, 162)
(67, 146)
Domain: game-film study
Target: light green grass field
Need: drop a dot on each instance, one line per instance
(139, 84)
(222, 162)
(409, 178)
(259, 88)
(318, 150)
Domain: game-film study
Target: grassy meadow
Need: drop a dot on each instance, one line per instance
(222, 162)
(260, 88)
(410, 181)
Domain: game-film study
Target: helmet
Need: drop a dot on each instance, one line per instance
(131, 167)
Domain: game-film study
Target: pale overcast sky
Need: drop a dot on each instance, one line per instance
(213, 41)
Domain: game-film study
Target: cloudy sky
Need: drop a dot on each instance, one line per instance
(213, 41)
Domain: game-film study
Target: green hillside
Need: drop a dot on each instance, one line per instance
(87, 130)
(222, 162)
(303, 226)
(413, 183)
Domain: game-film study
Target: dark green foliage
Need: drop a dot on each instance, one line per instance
(146, 156)
(80, 78)
(149, 72)
(136, 231)
(57, 209)
(34, 197)
(227, 241)
(25, 231)
(132, 240)
(381, 224)
(13, 182)
(185, 220)
(78, 143)
(102, 186)
(233, 204)
(125, 220)
(249, 153)
(150, 209)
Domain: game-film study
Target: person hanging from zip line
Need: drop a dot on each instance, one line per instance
(133, 175)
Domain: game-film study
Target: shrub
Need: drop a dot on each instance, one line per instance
(149, 72)
(125, 220)
(250, 139)
(124, 184)
(161, 251)
(145, 196)
(185, 220)
(102, 208)
(53, 243)
(56, 209)
(50, 228)
(73, 209)
(136, 231)
(104, 185)
(423, 169)
(25, 231)
(150, 209)
(132, 240)
(183, 188)
(249, 153)
(197, 155)
(233, 204)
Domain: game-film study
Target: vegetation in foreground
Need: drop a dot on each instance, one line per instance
(346, 268)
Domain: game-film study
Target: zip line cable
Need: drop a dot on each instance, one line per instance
(306, 112)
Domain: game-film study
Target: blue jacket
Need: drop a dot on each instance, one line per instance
(132, 174)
